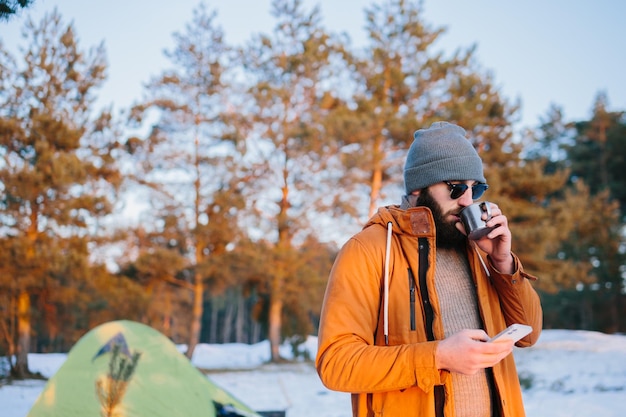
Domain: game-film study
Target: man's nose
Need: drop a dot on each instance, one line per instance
(466, 199)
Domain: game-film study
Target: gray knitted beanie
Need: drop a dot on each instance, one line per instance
(441, 153)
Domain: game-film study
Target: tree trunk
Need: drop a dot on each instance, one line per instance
(240, 319)
(255, 332)
(196, 314)
(8, 337)
(377, 177)
(228, 320)
(279, 275)
(23, 334)
(167, 313)
(275, 324)
(213, 321)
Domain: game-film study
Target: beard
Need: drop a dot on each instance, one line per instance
(447, 235)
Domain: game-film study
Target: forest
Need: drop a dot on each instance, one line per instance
(212, 209)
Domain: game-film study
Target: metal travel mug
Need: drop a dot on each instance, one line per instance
(471, 217)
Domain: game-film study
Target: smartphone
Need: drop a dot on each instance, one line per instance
(514, 332)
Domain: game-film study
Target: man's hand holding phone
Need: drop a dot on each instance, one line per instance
(514, 332)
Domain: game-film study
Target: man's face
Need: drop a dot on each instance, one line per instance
(445, 212)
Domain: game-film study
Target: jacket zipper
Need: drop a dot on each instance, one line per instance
(412, 298)
(424, 249)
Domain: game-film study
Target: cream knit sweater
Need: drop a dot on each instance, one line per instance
(457, 298)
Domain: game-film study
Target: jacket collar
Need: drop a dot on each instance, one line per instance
(413, 222)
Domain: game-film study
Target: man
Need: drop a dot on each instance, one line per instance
(411, 302)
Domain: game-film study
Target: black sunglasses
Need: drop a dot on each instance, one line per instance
(457, 190)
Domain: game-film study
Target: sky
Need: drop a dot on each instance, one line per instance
(561, 52)
(568, 373)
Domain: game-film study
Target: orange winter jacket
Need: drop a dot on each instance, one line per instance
(398, 379)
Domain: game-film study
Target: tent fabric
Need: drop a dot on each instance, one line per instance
(164, 382)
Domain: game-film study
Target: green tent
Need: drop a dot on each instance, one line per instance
(127, 369)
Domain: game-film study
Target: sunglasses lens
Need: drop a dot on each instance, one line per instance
(478, 190)
(457, 190)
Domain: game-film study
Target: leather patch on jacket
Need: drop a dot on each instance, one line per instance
(420, 225)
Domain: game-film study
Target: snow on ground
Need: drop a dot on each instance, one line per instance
(574, 374)
(566, 374)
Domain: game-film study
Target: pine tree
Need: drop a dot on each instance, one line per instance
(111, 388)
(581, 230)
(290, 74)
(597, 152)
(189, 155)
(394, 81)
(596, 155)
(155, 259)
(401, 84)
(9, 8)
(58, 170)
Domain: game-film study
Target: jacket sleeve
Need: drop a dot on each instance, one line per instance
(518, 300)
(347, 358)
